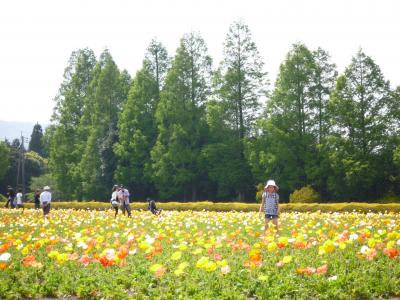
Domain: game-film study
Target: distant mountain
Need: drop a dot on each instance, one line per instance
(12, 130)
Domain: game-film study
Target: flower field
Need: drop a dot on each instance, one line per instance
(198, 255)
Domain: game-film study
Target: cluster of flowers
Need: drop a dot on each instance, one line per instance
(180, 242)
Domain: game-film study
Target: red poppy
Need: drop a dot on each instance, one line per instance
(391, 252)
(106, 262)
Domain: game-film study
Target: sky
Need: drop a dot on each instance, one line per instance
(37, 37)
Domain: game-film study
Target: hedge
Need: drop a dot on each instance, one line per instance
(237, 206)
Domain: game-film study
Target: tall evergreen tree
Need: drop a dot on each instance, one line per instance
(137, 126)
(180, 120)
(65, 142)
(360, 104)
(290, 127)
(106, 96)
(360, 108)
(243, 81)
(323, 83)
(296, 121)
(157, 63)
(240, 83)
(221, 156)
(35, 143)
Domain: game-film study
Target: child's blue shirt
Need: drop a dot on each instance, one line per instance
(271, 202)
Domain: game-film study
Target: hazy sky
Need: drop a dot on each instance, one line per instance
(37, 37)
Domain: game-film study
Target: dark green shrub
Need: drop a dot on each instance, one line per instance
(389, 198)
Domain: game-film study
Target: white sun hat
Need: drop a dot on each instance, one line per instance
(46, 188)
(272, 183)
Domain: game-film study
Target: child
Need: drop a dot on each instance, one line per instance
(270, 204)
(152, 207)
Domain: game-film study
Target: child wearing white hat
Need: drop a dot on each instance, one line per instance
(270, 204)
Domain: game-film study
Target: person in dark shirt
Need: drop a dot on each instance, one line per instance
(10, 197)
(37, 199)
(152, 207)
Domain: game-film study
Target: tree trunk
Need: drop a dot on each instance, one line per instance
(241, 197)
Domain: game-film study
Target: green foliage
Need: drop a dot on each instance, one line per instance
(4, 159)
(360, 109)
(295, 121)
(389, 198)
(180, 133)
(180, 120)
(35, 143)
(396, 156)
(67, 137)
(105, 98)
(35, 165)
(157, 62)
(227, 168)
(240, 83)
(37, 183)
(260, 191)
(305, 195)
(137, 125)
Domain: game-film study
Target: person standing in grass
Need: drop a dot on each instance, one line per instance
(127, 202)
(37, 199)
(114, 199)
(123, 197)
(10, 196)
(18, 199)
(270, 204)
(45, 200)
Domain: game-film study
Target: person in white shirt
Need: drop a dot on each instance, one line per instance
(18, 199)
(114, 200)
(45, 199)
(123, 197)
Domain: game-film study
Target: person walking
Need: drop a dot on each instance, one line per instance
(10, 196)
(45, 200)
